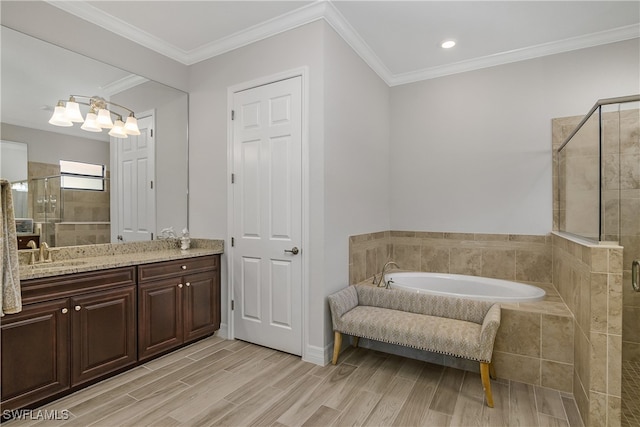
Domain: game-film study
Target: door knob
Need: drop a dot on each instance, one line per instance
(294, 250)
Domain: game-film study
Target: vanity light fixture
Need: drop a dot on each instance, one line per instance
(98, 117)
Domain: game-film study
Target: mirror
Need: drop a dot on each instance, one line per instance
(35, 76)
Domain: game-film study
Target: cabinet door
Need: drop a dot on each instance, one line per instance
(159, 317)
(201, 304)
(35, 353)
(103, 333)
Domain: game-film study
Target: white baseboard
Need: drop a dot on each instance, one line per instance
(223, 332)
(317, 355)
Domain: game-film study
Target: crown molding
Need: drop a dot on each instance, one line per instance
(125, 83)
(340, 24)
(516, 55)
(84, 10)
(271, 27)
(324, 9)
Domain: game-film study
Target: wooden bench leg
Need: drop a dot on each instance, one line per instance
(337, 343)
(486, 383)
(492, 371)
(355, 342)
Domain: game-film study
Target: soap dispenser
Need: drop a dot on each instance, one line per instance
(185, 241)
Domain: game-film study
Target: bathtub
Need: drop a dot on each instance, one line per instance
(473, 287)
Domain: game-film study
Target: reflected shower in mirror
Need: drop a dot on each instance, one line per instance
(145, 177)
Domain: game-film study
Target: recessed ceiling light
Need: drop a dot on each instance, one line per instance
(448, 44)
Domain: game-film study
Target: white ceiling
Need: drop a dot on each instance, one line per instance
(400, 40)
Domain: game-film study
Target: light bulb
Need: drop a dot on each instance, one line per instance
(104, 118)
(118, 130)
(131, 126)
(91, 124)
(73, 111)
(59, 117)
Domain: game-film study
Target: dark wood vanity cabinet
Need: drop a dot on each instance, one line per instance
(35, 353)
(178, 302)
(72, 330)
(78, 328)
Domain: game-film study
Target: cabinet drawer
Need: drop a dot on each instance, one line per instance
(46, 288)
(165, 269)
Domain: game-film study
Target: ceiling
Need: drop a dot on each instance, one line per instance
(400, 40)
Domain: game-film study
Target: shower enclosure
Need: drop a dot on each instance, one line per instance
(66, 215)
(598, 198)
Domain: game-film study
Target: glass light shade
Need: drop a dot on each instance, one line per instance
(59, 117)
(73, 112)
(118, 130)
(131, 126)
(91, 124)
(104, 119)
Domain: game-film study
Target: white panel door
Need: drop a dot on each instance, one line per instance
(134, 175)
(267, 224)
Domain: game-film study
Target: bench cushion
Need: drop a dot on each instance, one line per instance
(432, 333)
(433, 305)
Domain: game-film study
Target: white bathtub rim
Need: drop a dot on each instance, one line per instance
(531, 293)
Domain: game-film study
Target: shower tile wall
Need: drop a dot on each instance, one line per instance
(522, 352)
(589, 279)
(620, 210)
(86, 213)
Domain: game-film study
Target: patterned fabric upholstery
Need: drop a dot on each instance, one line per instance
(454, 326)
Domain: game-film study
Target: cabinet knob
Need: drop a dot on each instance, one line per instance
(77, 308)
(64, 310)
(188, 284)
(180, 285)
(184, 267)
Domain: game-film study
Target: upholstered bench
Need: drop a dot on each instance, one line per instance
(447, 325)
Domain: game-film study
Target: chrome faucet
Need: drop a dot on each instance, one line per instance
(382, 282)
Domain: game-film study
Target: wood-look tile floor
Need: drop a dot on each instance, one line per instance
(234, 383)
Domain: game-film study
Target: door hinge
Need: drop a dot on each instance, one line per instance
(233, 115)
(233, 242)
(233, 178)
(232, 305)
(151, 236)
(151, 133)
(152, 185)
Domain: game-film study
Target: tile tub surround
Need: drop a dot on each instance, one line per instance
(99, 257)
(589, 278)
(522, 352)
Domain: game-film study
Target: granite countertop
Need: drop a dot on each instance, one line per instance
(77, 259)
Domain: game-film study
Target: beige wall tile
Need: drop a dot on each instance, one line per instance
(614, 365)
(598, 362)
(519, 333)
(614, 411)
(407, 256)
(597, 304)
(614, 307)
(517, 367)
(555, 375)
(499, 263)
(581, 395)
(557, 338)
(597, 409)
(434, 259)
(533, 266)
(466, 261)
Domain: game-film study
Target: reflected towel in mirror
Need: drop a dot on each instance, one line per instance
(10, 298)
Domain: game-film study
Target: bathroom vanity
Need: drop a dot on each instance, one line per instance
(79, 327)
